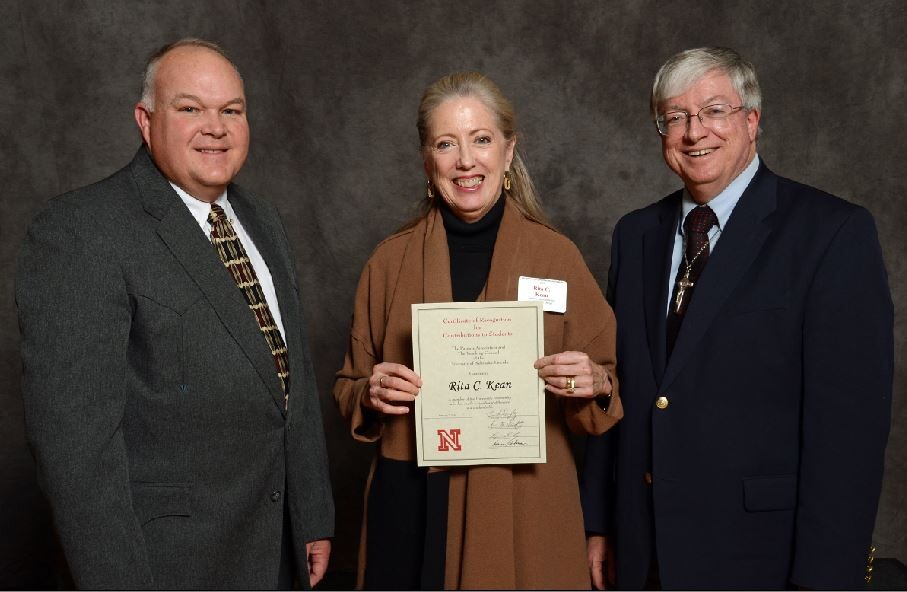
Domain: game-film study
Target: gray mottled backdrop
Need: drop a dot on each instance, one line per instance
(333, 88)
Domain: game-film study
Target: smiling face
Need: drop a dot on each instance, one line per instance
(197, 133)
(708, 159)
(466, 156)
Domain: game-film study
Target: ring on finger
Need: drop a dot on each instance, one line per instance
(381, 381)
(570, 384)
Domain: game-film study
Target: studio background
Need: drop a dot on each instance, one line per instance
(333, 89)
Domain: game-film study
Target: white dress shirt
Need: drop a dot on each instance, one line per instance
(200, 210)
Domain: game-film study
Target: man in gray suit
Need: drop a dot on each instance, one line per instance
(169, 395)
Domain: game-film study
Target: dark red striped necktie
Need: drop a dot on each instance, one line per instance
(696, 228)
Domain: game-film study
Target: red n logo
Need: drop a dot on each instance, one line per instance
(449, 440)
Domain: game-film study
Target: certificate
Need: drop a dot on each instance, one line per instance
(481, 401)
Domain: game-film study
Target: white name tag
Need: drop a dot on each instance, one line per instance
(551, 293)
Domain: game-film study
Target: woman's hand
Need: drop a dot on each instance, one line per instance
(390, 388)
(573, 374)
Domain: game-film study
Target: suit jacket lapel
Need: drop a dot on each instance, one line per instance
(658, 245)
(189, 245)
(740, 243)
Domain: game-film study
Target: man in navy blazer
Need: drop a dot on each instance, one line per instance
(755, 368)
(173, 454)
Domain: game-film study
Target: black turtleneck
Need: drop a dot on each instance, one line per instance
(471, 246)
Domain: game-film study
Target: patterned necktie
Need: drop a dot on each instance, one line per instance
(696, 228)
(237, 262)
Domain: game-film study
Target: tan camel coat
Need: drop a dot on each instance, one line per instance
(514, 526)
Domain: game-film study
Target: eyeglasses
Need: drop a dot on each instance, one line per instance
(711, 116)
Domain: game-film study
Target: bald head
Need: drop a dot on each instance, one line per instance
(154, 60)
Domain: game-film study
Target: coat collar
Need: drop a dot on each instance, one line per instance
(192, 249)
(502, 276)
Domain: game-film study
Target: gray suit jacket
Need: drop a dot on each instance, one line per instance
(152, 403)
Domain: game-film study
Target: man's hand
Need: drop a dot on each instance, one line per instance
(600, 556)
(318, 552)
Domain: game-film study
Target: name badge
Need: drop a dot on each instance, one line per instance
(551, 293)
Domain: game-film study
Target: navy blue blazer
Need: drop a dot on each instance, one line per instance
(766, 465)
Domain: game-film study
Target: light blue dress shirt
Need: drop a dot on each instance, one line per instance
(722, 204)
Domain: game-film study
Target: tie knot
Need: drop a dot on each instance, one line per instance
(216, 214)
(700, 219)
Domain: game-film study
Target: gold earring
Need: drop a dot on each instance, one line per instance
(428, 192)
(506, 180)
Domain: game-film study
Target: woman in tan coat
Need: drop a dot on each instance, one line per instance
(493, 526)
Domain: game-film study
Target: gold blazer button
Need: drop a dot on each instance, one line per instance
(661, 402)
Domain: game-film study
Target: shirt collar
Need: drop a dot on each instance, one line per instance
(200, 209)
(723, 203)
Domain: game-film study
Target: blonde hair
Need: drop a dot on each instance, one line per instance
(472, 84)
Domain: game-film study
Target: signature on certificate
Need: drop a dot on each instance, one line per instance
(505, 429)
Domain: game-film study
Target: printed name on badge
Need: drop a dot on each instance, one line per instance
(551, 293)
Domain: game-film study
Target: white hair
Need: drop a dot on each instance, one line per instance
(682, 70)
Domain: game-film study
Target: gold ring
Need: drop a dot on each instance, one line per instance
(571, 384)
(381, 381)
